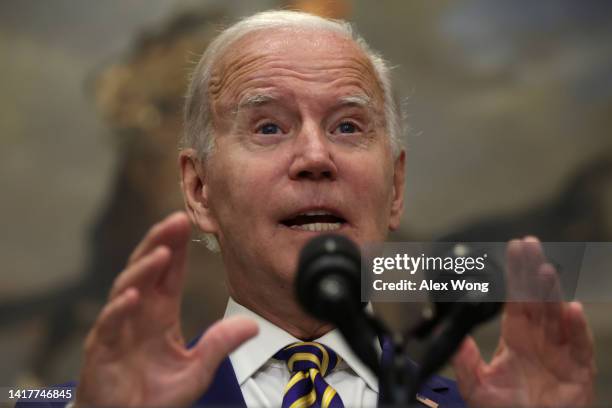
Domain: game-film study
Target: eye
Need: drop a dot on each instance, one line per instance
(268, 129)
(347, 127)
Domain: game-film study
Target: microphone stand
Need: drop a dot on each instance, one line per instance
(461, 320)
(396, 374)
(400, 378)
(327, 285)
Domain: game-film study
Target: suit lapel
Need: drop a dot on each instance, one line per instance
(437, 391)
(224, 391)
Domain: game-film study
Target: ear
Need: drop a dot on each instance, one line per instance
(397, 205)
(195, 191)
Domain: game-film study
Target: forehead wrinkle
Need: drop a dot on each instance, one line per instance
(277, 68)
(234, 97)
(224, 72)
(244, 67)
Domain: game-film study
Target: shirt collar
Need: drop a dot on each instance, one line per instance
(254, 353)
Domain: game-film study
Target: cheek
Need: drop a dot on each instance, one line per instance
(242, 189)
(372, 184)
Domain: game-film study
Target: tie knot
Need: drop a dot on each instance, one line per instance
(303, 356)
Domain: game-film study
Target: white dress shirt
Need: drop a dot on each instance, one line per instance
(263, 379)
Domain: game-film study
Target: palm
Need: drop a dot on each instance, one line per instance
(149, 343)
(135, 354)
(545, 354)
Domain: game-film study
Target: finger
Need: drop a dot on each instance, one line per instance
(172, 280)
(108, 326)
(534, 253)
(533, 256)
(468, 366)
(518, 308)
(143, 273)
(219, 341)
(163, 233)
(579, 334)
(552, 321)
(548, 280)
(514, 267)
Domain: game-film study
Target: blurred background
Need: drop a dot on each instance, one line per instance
(509, 106)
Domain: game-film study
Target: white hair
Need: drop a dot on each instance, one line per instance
(198, 122)
(198, 118)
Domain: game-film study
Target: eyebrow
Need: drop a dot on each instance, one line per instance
(362, 101)
(259, 99)
(254, 100)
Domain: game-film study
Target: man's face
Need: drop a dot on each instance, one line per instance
(301, 150)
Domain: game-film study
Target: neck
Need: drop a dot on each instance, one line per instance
(284, 312)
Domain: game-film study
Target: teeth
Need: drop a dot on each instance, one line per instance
(316, 213)
(318, 226)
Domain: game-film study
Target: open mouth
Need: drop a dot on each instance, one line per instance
(314, 221)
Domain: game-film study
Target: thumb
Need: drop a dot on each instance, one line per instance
(221, 339)
(468, 364)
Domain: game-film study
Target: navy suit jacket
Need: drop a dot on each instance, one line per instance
(224, 391)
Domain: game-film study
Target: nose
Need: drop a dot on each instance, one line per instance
(312, 159)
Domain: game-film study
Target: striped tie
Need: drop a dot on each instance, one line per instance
(308, 363)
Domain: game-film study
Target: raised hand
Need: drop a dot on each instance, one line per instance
(545, 353)
(135, 354)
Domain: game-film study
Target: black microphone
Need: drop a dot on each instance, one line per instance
(328, 286)
(484, 304)
(457, 314)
